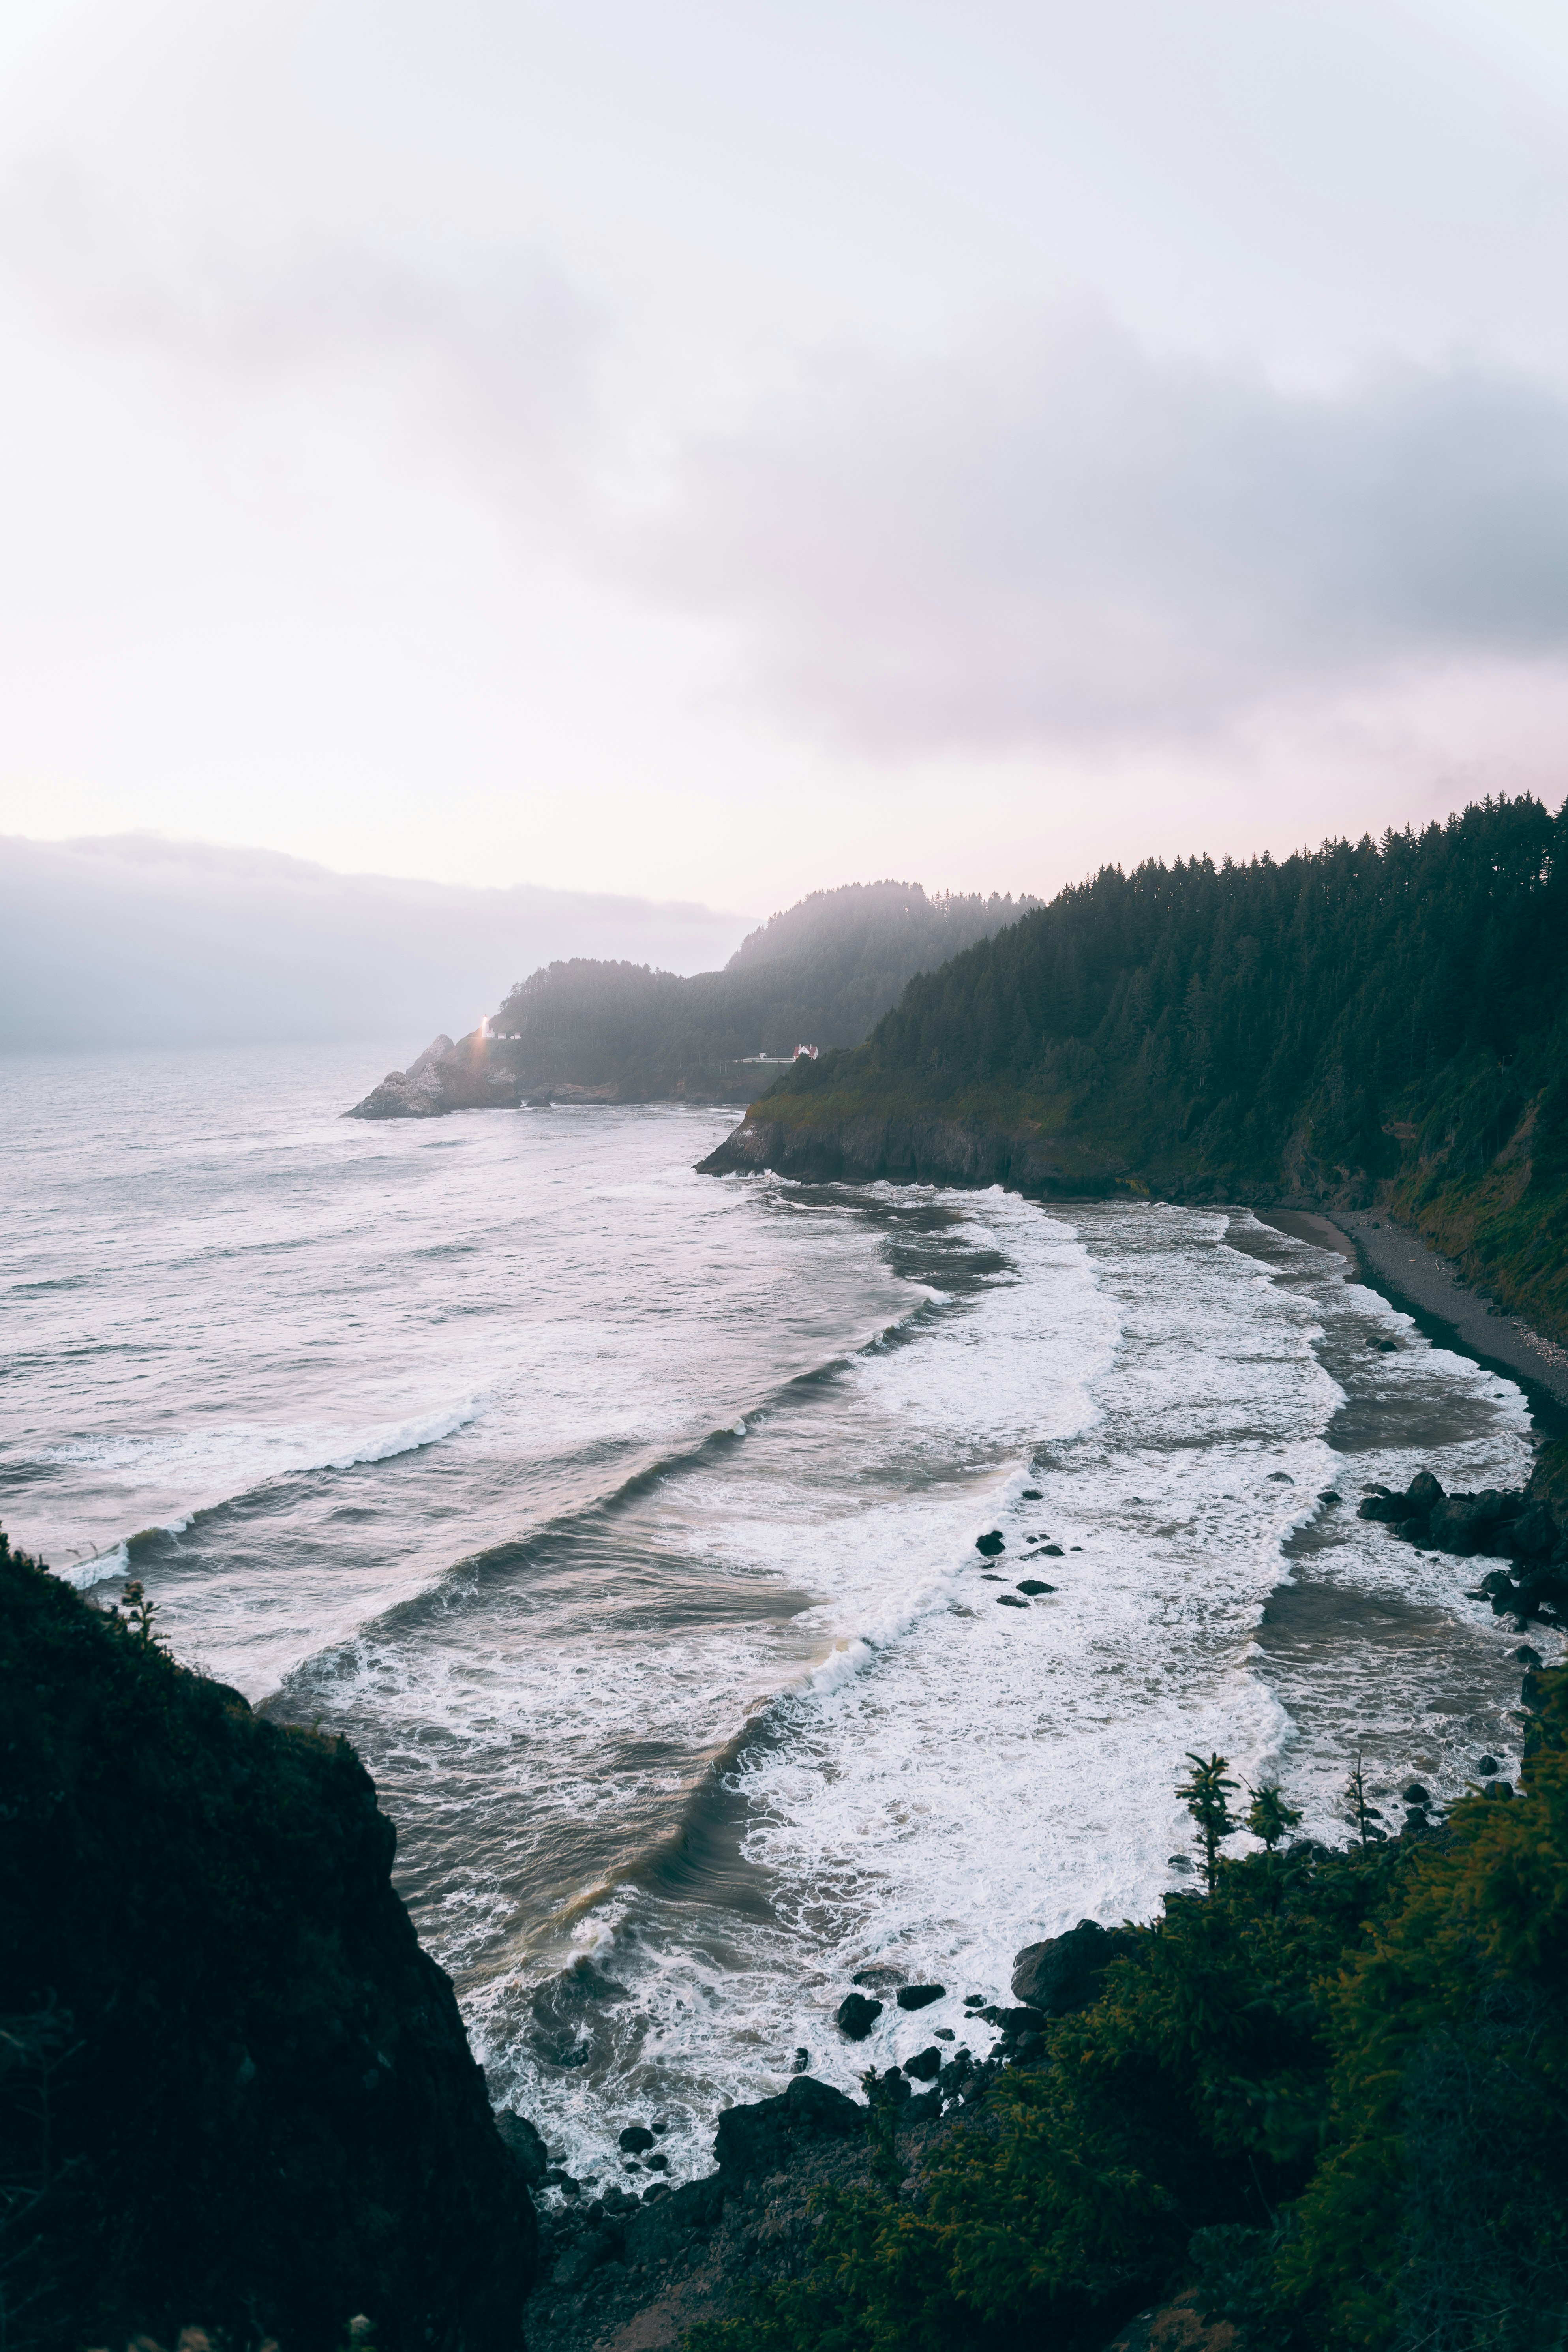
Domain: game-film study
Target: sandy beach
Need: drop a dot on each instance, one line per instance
(1392, 1260)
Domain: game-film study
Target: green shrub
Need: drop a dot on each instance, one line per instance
(1332, 2095)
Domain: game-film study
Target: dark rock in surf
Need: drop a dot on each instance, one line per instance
(883, 1978)
(1025, 2018)
(1034, 1585)
(925, 2065)
(920, 1996)
(889, 2089)
(1010, 1601)
(563, 2009)
(752, 2141)
(855, 2017)
(633, 2140)
(1052, 1551)
(989, 1545)
(1033, 1495)
(526, 2145)
(1064, 1973)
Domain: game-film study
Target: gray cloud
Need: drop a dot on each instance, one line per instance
(1044, 535)
(135, 940)
(1060, 534)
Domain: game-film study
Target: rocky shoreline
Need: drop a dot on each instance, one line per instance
(631, 2269)
(1407, 1270)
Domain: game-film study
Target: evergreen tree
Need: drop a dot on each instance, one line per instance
(1205, 1793)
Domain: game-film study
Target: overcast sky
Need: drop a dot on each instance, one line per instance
(711, 451)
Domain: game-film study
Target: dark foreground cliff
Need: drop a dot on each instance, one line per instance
(1377, 1024)
(234, 2092)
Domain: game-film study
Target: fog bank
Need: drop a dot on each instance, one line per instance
(137, 940)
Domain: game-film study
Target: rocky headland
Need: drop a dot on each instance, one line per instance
(444, 1077)
(585, 1030)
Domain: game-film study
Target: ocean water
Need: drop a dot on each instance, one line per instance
(626, 1520)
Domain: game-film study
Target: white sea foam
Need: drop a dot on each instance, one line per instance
(738, 1728)
(228, 1457)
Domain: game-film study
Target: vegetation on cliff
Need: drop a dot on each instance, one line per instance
(1390, 1014)
(234, 2092)
(818, 974)
(1332, 2095)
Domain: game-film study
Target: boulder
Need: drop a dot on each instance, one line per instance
(1533, 1535)
(633, 2140)
(659, 2231)
(527, 2147)
(1010, 1601)
(567, 2003)
(582, 2259)
(920, 1996)
(1032, 1585)
(989, 1545)
(855, 2017)
(925, 2065)
(1422, 1493)
(1063, 1973)
(752, 2141)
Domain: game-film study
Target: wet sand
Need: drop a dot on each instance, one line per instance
(1390, 1259)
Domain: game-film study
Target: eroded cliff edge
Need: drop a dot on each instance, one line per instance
(236, 2093)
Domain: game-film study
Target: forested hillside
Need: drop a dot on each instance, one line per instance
(820, 974)
(1377, 1020)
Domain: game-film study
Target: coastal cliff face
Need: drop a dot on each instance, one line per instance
(921, 1146)
(442, 1078)
(235, 2092)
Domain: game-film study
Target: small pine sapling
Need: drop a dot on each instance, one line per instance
(1269, 1817)
(136, 1619)
(1360, 1812)
(1205, 1795)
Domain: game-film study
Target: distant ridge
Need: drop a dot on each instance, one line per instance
(1377, 1022)
(820, 973)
